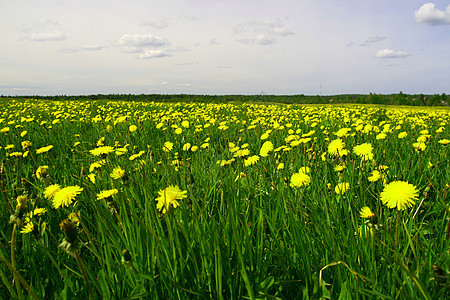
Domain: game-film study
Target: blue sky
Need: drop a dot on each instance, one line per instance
(224, 47)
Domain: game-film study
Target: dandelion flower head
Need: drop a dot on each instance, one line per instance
(364, 151)
(300, 179)
(65, 196)
(399, 194)
(168, 197)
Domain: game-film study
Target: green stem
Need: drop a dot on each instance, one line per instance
(83, 271)
(13, 261)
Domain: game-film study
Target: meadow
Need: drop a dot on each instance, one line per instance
(131, 200)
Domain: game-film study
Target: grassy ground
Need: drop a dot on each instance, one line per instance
(201, 212)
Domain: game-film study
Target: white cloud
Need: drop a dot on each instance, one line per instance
(156, 24)
(94, 47)
(142, 40)
(47, 36)
(47, 21)
(145, 45)
(263, 40)
(261, 32)
(428, 14)
(153, 54)
(388, 53)
(374, 39)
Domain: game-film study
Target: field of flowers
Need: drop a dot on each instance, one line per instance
(114, 199)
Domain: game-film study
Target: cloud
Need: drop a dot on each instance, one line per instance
(142, 40)
(190, 18)
(94, 47)
(213, 42)
(374, 39)
(144, 45)
(176, 84)
(46, 36)
(428, 14)
(156, 24)
(263, 40)
(47, 21)
(262, 32)
(153, 54)
(388, 53)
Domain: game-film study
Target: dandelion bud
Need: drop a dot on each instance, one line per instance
(69, 230)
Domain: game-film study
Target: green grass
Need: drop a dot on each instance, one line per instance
(242, 232)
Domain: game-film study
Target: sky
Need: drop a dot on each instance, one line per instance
(280, 47)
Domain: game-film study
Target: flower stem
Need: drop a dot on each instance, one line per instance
(13, 261)
(83, 271)
(396, 229)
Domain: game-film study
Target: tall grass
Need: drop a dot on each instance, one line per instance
(243, 231)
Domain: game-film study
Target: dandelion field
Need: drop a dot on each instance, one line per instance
(122, 199)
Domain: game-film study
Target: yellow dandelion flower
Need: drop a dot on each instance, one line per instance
(106, 194)
(44, 149)
(264, 136)
(38, 211)
(402, 135)
(381, 136)
(91, 177)
(65, 196)
(117, 173)
(186, 146)
(335, 147)
(185, 124)
(132, 128)
(305, 170)
(399, 194)
(134, 156)
(26, 145)
(419, 146)
(374, 176)
(366, 213)
(74, 217)
(342, 132)
(51, 190)
(251, 160)
(178, 130)
(194, 148)
(41, 172)
(242, 153)
(340, 167)
(266, 148)
(168, 197)
(300, 179)
(23, 133)
(121, 151)
(103, 150)
(4, 130)
(364, 151)
(168, 146)
(444, 142)
(100, 142)
(341, 188)
(21, 202)
(96, 165)
(29, 227)
(280, 166)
